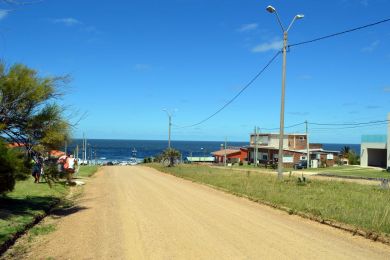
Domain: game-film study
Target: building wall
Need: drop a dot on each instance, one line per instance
(297, 142)
(240, 156)
(364, 151)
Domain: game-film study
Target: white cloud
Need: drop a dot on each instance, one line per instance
(69, 21)
(268, 46)
(248, 27)
(3, 13)
(371, 47)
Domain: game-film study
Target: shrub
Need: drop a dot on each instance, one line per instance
(170, 157)
(241, 163)
(13, 166)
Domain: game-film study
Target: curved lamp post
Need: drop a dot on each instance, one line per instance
(272, 10)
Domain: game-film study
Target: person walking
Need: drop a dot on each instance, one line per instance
(70, 166)
(37, 169)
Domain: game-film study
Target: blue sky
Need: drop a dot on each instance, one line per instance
(130, 59)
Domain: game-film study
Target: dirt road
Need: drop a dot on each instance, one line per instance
(139, 213)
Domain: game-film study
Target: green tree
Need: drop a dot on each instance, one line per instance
(345, 151)
(353, 158)
(13, 166)
(29, 115)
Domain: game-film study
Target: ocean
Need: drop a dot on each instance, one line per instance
(122, 150)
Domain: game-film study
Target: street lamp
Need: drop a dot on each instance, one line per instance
(203, 150)
(169, 127)
(272, 10)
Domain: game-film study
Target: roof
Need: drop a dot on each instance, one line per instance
(56, 153)
(200, 159)
(317, 150)
(13, 145)
(225, 151)
(297, 134)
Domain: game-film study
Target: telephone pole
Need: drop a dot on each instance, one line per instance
(224, 158)
(307, 145)
(169, 127)
(256, 149)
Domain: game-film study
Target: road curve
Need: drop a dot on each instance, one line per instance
(140, 213)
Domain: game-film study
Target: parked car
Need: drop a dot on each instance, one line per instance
(300, 165)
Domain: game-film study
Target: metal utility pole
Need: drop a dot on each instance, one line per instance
(169, 127)
(256, 149)
(271, 9)
(224, 158)
(307, 145)
(90, 153)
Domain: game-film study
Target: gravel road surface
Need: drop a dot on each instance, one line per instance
(139, 213)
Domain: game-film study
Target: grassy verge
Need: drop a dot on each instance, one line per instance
(253, 168)
(21, 207)
(87, 171)
(352, 171)
(28, 201)
(362, 206)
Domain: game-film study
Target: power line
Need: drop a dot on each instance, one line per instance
(277, 128)
(350, 124)
(238, 94)
(340, 33)
(270, 62)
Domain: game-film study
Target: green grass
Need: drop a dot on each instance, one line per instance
(259, 168)
(28, 200)
(353, 171)
(40, 230)
(363, 206)
(87, 171)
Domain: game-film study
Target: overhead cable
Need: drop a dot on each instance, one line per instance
(237, 95)
(350, 124)
(340, 33)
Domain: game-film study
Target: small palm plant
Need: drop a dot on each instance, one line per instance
(170, 157)
(345, 151)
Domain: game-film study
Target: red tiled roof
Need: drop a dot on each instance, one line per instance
(14, 145)
(56, 153)
(228, 152)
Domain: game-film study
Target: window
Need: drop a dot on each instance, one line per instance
(329, 156)
(288, 159)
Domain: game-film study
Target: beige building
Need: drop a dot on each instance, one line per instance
(375, 149)
(294, 150)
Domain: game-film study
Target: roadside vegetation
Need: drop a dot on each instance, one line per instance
(87, 171)
(32, 123)
(362, 206)
(352, 171)
(28, 202)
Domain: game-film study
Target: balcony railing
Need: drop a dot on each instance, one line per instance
(374, 139)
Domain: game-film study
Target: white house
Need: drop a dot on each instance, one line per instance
(375, 149)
